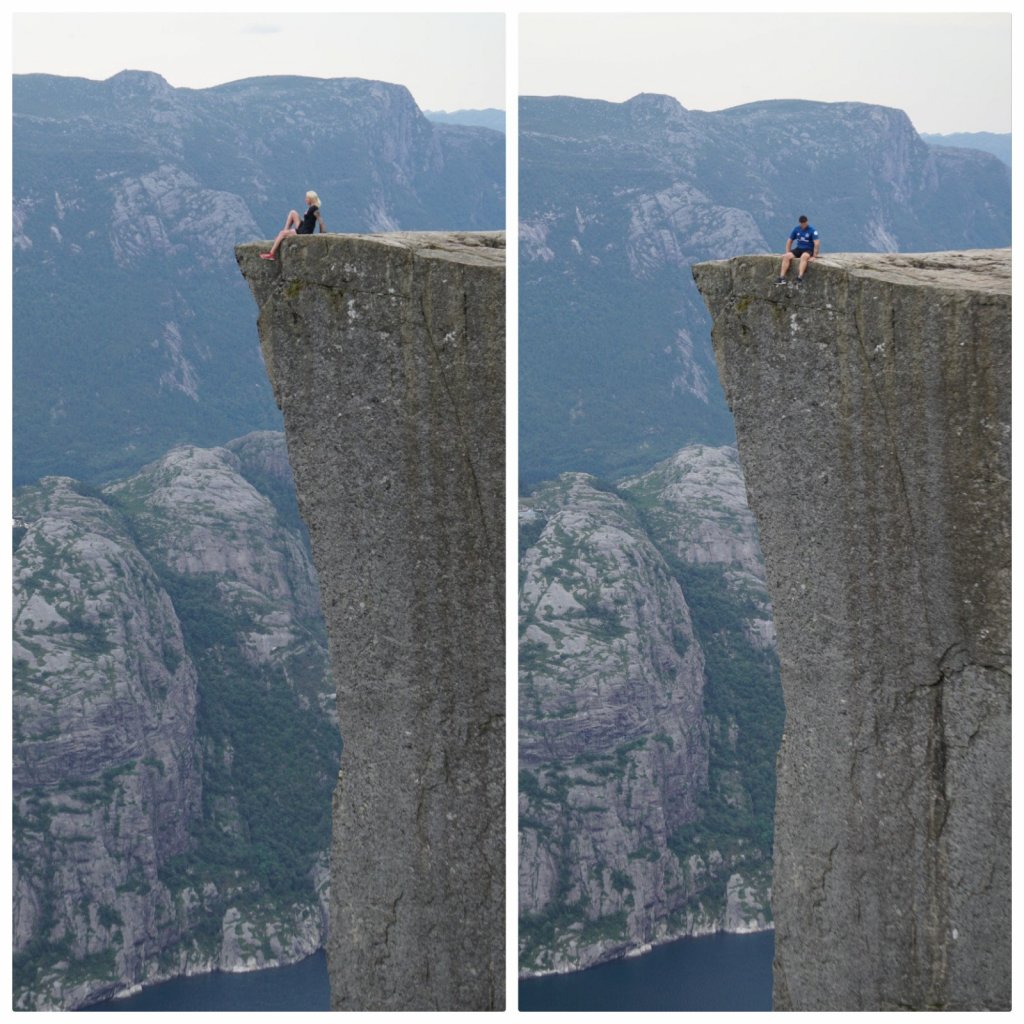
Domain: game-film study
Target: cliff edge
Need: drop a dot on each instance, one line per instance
(387, 357)
(872, 409)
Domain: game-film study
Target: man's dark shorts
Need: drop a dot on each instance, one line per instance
(802, 252)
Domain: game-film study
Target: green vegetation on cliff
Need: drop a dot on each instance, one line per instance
(175, 740)
(650, 711)
(270, 760)
(743, 700)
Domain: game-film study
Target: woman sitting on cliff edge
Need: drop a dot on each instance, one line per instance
(296, 225)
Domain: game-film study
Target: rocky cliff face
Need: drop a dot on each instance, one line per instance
(386, 354)
(106, 775)
(873, 414)
(645, 776)
(156, 831)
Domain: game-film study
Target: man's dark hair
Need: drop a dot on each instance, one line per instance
(802, 219)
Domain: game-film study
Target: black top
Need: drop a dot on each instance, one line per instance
(308, 225)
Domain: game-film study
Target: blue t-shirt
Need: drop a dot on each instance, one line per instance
(804, 238)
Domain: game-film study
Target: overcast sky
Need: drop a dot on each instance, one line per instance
(447, 61)
(949, 72)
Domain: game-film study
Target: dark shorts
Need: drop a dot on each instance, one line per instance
(802, 252)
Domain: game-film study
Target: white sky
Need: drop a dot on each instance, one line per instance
(447, 61)
(949, 72)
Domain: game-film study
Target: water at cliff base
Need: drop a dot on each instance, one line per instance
(715, 972)
(301, 986)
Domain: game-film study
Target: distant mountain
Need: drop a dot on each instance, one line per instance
(618, 199)
(1000, 145)
(133, 329)
(488, 117)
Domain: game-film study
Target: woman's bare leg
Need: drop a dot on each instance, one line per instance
(291, 223)
(281, 236)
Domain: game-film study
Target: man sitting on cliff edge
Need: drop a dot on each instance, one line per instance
(803, 243)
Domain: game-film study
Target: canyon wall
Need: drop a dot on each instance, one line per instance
(872, 410)
(650, 713)
(387, 356)
(173, 720)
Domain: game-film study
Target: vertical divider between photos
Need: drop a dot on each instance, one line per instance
(511, 505)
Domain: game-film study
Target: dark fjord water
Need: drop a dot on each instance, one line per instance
(714, 972)
(301, 986)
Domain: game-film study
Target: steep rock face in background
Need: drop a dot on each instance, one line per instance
(613, 759)
(152, 622)
(106, 771)
(617, 200)
(873, 415)
(642, 719)
(387, 355)
(128, 198)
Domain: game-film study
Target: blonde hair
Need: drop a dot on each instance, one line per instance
(314, 197)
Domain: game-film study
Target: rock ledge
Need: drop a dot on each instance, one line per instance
(872, 410)
(387, 357)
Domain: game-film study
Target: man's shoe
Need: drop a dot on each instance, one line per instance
(799, 282)
(781, 280)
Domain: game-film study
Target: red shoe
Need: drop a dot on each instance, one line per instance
(267, 256)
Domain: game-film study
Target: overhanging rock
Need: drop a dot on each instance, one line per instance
(387, 358)
(872, 409)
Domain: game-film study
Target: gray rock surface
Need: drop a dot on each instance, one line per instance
(872, 409)
(626, 750)
(106, 778)
(126, 700)
(387, 357)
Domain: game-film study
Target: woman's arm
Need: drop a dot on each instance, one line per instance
(320, 221)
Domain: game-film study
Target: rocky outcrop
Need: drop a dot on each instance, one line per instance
(640, 818)
(613, 749)
(872, 408)
(105, 770)
(154, 831)
(387, 355)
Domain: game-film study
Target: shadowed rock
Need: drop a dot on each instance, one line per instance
(387, 357)
(872, 409)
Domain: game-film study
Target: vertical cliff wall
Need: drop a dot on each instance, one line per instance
(387, 357)
(872, 409)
